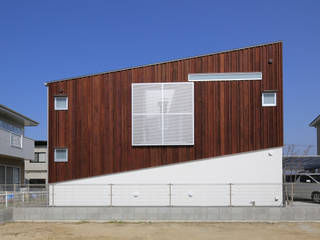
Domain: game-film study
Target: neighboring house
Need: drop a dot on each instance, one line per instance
(298, 164)
(216, 118)
(316, 123)
(15, 148)
(36, 170)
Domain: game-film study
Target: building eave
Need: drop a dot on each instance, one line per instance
(17, 116)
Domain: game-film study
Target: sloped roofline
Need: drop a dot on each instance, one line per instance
(315, 122)
(146, 65)
(17, 116)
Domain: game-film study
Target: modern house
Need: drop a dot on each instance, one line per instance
(15, 147)
(316, 123)
(36, 170)
(188, 123)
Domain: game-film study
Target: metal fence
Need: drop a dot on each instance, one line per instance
(19, 195)
(24, 195)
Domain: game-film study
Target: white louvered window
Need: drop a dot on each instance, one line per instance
(162, 114)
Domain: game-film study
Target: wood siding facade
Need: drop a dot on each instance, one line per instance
(229, 117)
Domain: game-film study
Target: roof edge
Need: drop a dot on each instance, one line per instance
(27, 121)
(152, 64)
(315, 122)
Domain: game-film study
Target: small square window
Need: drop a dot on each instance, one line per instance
(61, 103)
(269, 99)
(61, 155)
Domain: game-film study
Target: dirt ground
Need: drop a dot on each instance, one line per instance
(153, 231)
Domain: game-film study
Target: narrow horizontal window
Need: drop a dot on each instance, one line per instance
(269, 99)
(60, 103)
(162, 114)
(232, 76)
(61, 155)
(10, 127)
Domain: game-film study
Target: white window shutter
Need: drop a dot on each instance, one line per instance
(162, 114)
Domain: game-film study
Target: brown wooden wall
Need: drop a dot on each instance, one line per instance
(229, 117)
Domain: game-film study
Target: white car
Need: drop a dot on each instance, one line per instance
(305, 186)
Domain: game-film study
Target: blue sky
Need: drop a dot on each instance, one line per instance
(43, 40)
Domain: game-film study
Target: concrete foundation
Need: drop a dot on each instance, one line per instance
(161, 214)
(6, 215)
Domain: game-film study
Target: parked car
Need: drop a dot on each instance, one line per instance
(305, 186)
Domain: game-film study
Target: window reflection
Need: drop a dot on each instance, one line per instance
(10, 127)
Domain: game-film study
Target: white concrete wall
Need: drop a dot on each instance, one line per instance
(80, 195)
(256, 178)
(35, 174)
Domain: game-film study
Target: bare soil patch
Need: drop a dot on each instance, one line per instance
(153, 231)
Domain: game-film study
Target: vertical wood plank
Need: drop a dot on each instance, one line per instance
(229, 117)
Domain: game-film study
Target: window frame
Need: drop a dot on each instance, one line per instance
(226, 76)
(60, 148)
(9, 127)
(37, 157)
(55, 103)
(5, 174)
(268, 104)
(21, 140)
